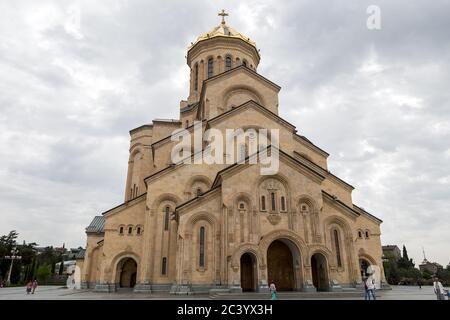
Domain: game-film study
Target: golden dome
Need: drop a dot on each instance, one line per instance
(223, 30)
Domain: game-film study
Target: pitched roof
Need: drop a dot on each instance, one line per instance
(97, 225)
(80, 254)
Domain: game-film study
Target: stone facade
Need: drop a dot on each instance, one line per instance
(191, 228)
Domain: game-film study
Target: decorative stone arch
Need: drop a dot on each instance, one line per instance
(189, 233)
(283, 234)
(242, 196)
(310, 201)
(363, 255)
(169, 197)
(196, 217)
(250, 248)
(323, 279)
(313, 215)
(319, 249)
(346, 241)
(240, 89)
(135, 149)
(192, 181)
(118, 258)
(281, 178)
(298, 250)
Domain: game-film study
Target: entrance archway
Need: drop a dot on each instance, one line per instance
(126, 271)
(319, 272)
(364, 267)
(280, 266)
(248, 272)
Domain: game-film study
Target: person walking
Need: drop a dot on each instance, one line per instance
(35, 284)
(419, 283)
(370, 285)
(29, 286)
(273, 290)
(438, 289)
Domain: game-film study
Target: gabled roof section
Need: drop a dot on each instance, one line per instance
(338, 204)
(308, 170)
(143, 127)
(306, 142)
(199, 199)
(365, 213)
(126, 204)
(256, 106)
(80, 254)
(97, 225)
(237, 69)
(189, 107)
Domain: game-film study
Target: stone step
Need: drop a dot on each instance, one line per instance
(285, 295)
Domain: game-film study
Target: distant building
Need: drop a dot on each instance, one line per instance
(392, 250)
(68, 267)
(431, 267)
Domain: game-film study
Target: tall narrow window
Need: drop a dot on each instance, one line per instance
(263, 203)
(130, 230)
(199, 192)
(121, 230)
(187, 123)
(244, 63)
(210, 67)
(166, 218)
(196, 77)
(272, 198)
(283, 204)
(227, 63)
(164, 266)
(338, 249)
(201, 261)
(138, 230)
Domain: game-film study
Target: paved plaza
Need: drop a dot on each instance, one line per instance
(60, 293)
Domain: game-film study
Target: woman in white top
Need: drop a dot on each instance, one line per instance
(438, 289)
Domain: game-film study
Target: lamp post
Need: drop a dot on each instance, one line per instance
(13, 257)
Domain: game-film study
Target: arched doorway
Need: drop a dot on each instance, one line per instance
(248, 272)
(319, 272)
(280, 268)
(126, 271)
(364, 267)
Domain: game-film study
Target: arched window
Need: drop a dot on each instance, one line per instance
(201, 260)
(337, 248)
(166, 218)
(199, 192)
(210, 67)
(130, 230)
(367, 234)
(164, 266)
(138, 230)
(244, 63)
(272, 199)
(227, 63)
(196, 77)
(241, 205)
(263, 203)
(283, 204)
(121, 230)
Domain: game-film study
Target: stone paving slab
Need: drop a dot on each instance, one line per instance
(59, 293)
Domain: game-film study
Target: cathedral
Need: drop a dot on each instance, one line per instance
(195, 228)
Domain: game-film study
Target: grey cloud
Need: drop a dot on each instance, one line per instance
(67, 104)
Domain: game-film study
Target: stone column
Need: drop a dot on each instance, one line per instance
(144, 282)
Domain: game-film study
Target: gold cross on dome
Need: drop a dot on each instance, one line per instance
(223, 14)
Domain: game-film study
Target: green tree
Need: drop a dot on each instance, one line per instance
(43, 273)
(61, 266)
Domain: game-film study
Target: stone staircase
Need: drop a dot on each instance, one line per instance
(224, 295)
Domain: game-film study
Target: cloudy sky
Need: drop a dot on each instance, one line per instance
(76, 76)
